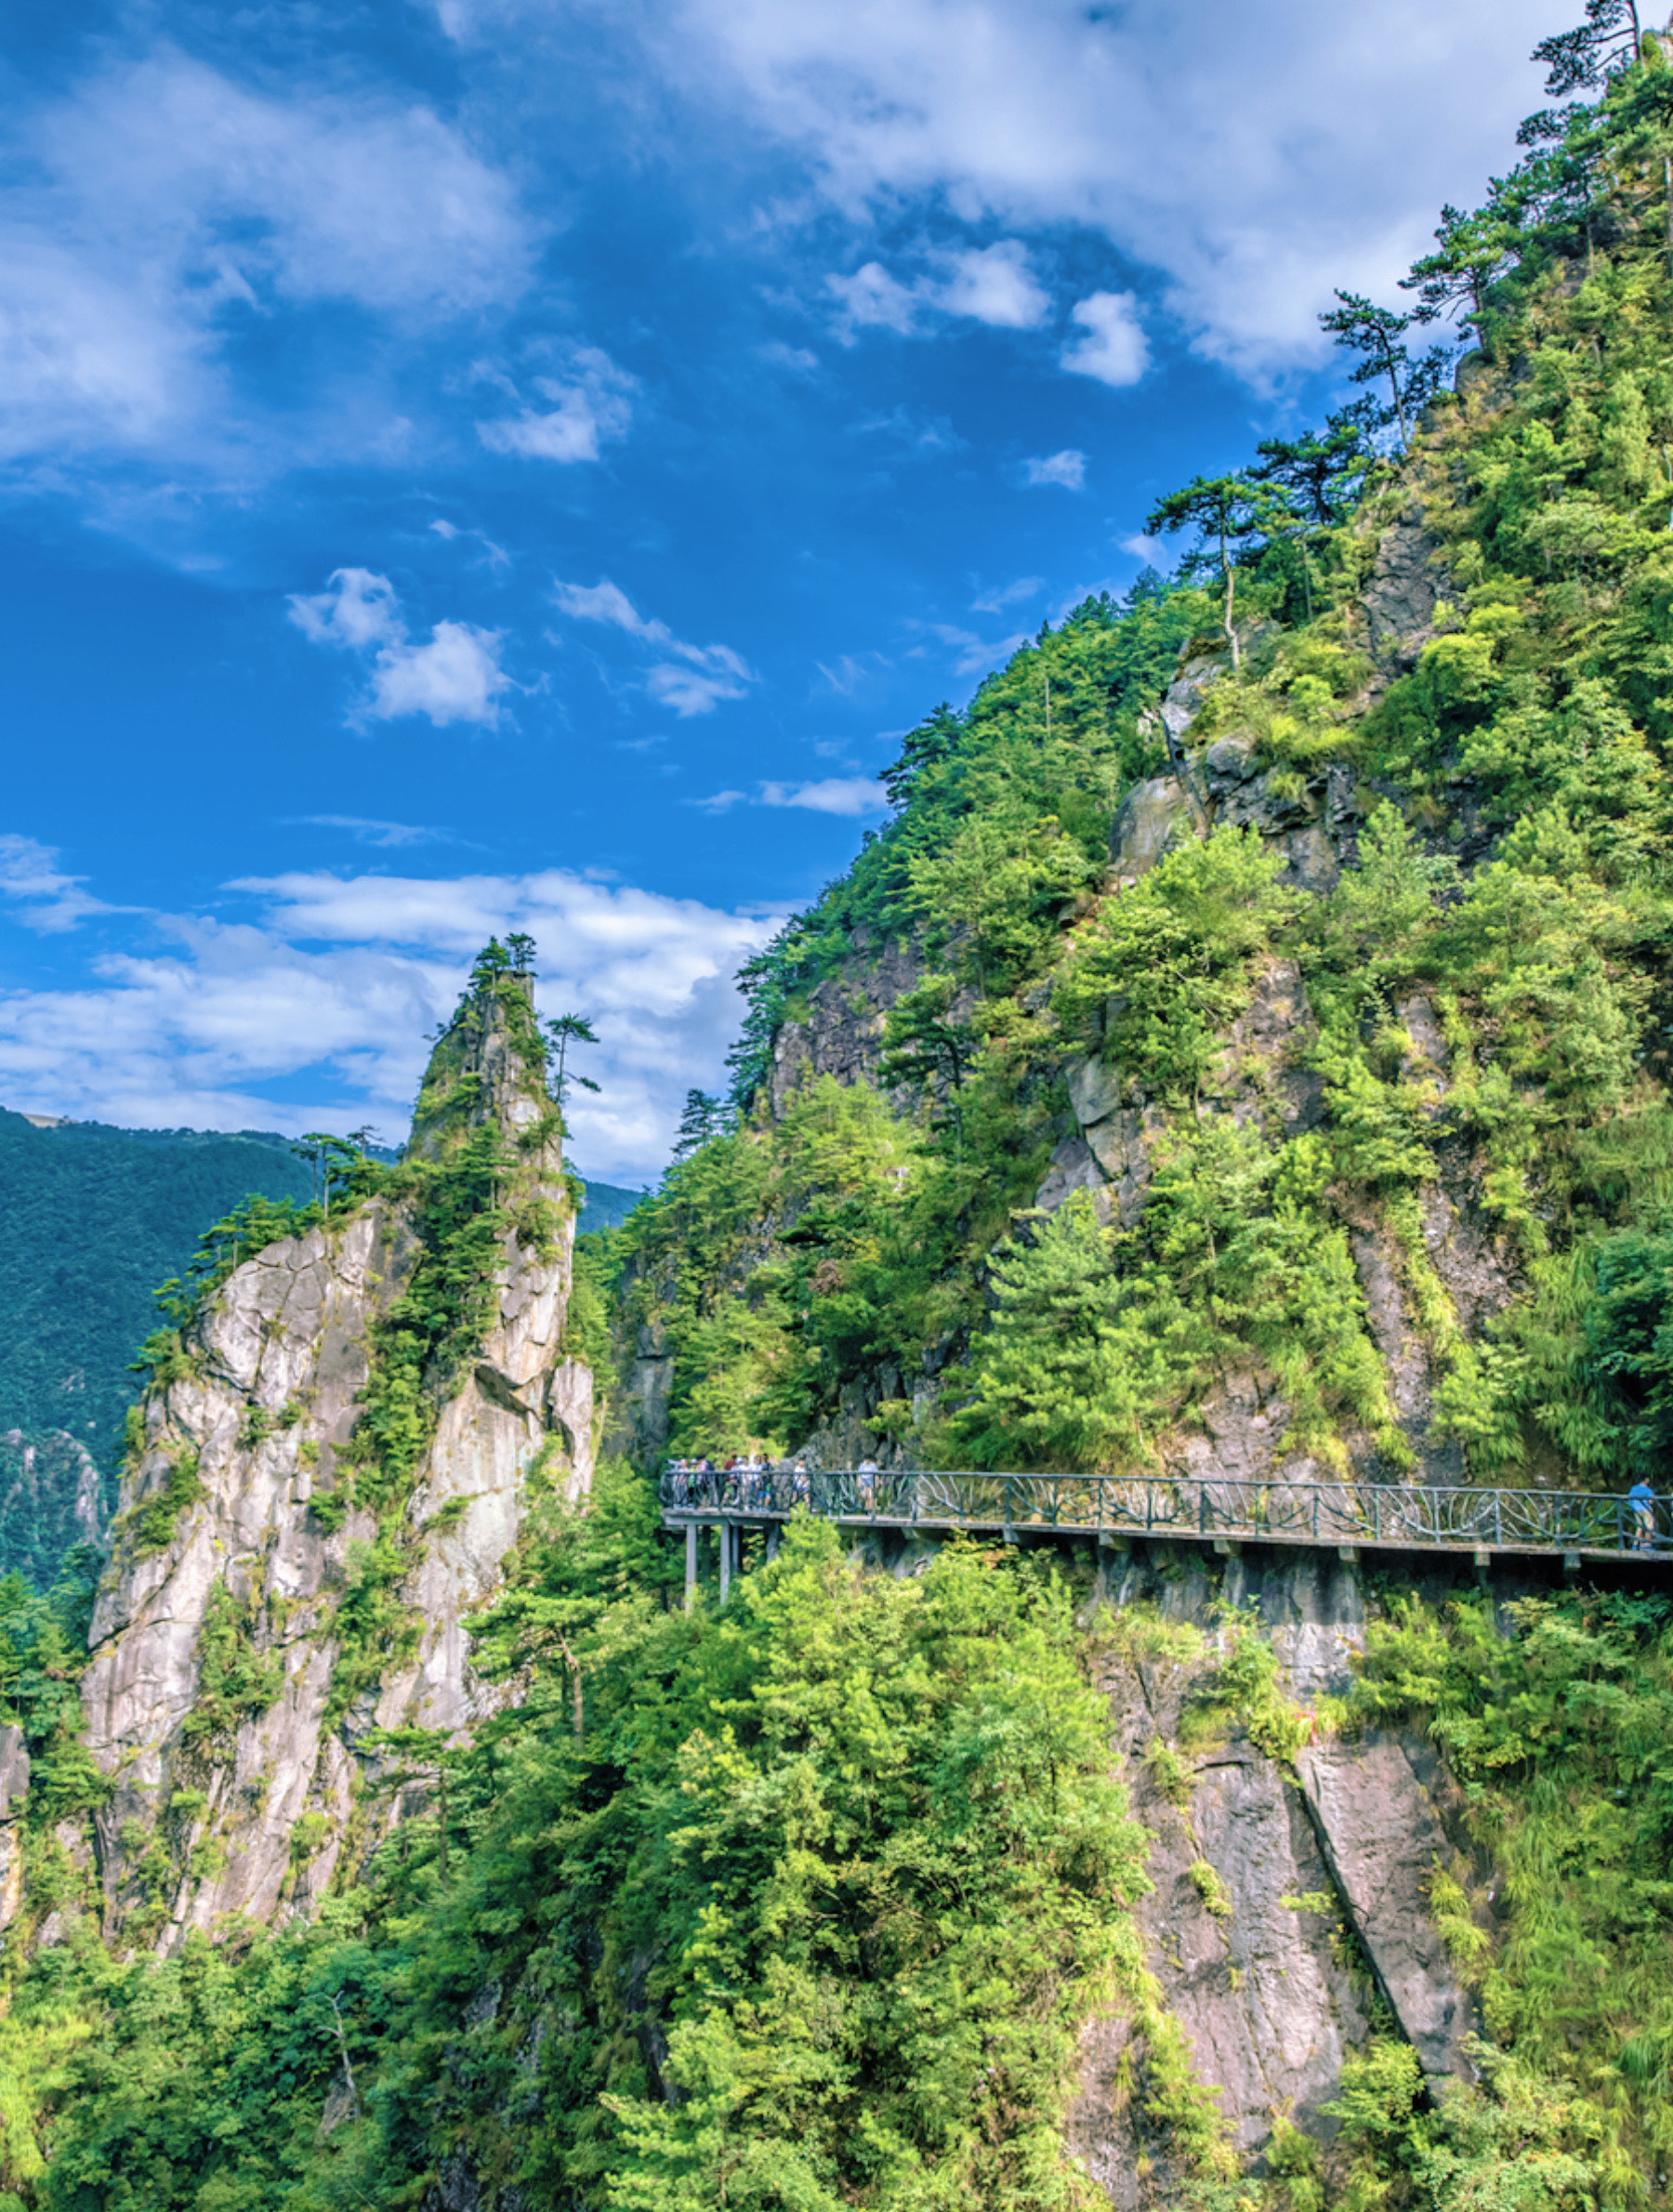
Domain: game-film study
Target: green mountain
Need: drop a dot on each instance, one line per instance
(604, 1205)
(1242, 1058)
(95, 1218)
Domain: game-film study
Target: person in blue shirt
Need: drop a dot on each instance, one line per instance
(1641, 1498)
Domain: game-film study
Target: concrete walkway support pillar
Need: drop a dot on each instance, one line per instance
(726, 1559)
(690, 1563)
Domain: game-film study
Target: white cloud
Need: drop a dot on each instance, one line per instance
(387, 833)
(994, 285)
(154, 211)
(593, 406)
(871, 298)
(195, 1033)
(47, 899)
(693, 681)
(1068, 469)
(1256, 156)
(1114, 348)
(1154, 551)
(607, 602)
(973, 655)
(849, 796)
(455, 677)
(1000, 596)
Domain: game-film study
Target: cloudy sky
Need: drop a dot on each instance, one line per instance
(485, 463)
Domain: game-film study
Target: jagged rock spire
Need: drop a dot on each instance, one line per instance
(233, 1674)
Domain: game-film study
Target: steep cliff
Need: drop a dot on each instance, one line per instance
(329, 1469)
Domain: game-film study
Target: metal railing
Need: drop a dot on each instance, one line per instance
(1417, 1518)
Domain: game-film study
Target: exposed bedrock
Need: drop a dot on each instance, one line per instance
(1285, 1901)
(217, 1699)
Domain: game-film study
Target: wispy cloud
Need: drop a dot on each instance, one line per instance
(453, 676)
(851, 797)
(47, 898)
(1000, 596)
(385, 833)
(157, 209)
(1068, 469)
(872, 300)
(692, 682)
(994, 284)
(1045, 113)
(1154, 551)
(590, 407)
(973, 655)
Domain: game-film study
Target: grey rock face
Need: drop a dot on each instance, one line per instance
(1400, 598)
(1263, 1989)
(278, 1359)
(1260, 1073)
(1110, 1156)
(842, 1031)
(14, 1793)
(1382, 1837)
(1282, 2044)
(1228, 764)
(1149, 820)
(1072, 1168)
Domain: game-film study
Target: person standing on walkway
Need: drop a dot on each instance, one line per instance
(1641, 1498)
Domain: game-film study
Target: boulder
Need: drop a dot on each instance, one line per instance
(1229, 762)
(1150, 818)
(1095, 1091)
(1382, 1838)
(1072, 1168)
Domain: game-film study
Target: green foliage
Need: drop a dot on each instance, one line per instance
(1003, 812)
(43, 1655)
(235, 1682)
(1167, 968)
(1070, 1362)
(1247, 1682)
(150, 1527)
(1557, 1731)
(810, 1912)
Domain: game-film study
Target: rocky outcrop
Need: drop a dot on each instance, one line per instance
(1282, 1902)
(1382, 1836)
(14, 1795)
(280, 1587)
(1153, 817)
(1399, 600)
(840, 1030)
(52, 1495)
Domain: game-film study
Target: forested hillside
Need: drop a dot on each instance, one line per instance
(1336, 1071)
(1243, 1051)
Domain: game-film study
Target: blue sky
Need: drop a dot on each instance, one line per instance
(478, 463)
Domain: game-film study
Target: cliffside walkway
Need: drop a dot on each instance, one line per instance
(1347, 1516)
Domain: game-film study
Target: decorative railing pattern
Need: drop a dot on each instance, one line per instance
(1419, 1518)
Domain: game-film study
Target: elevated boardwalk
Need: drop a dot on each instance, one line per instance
(1348, 1518)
